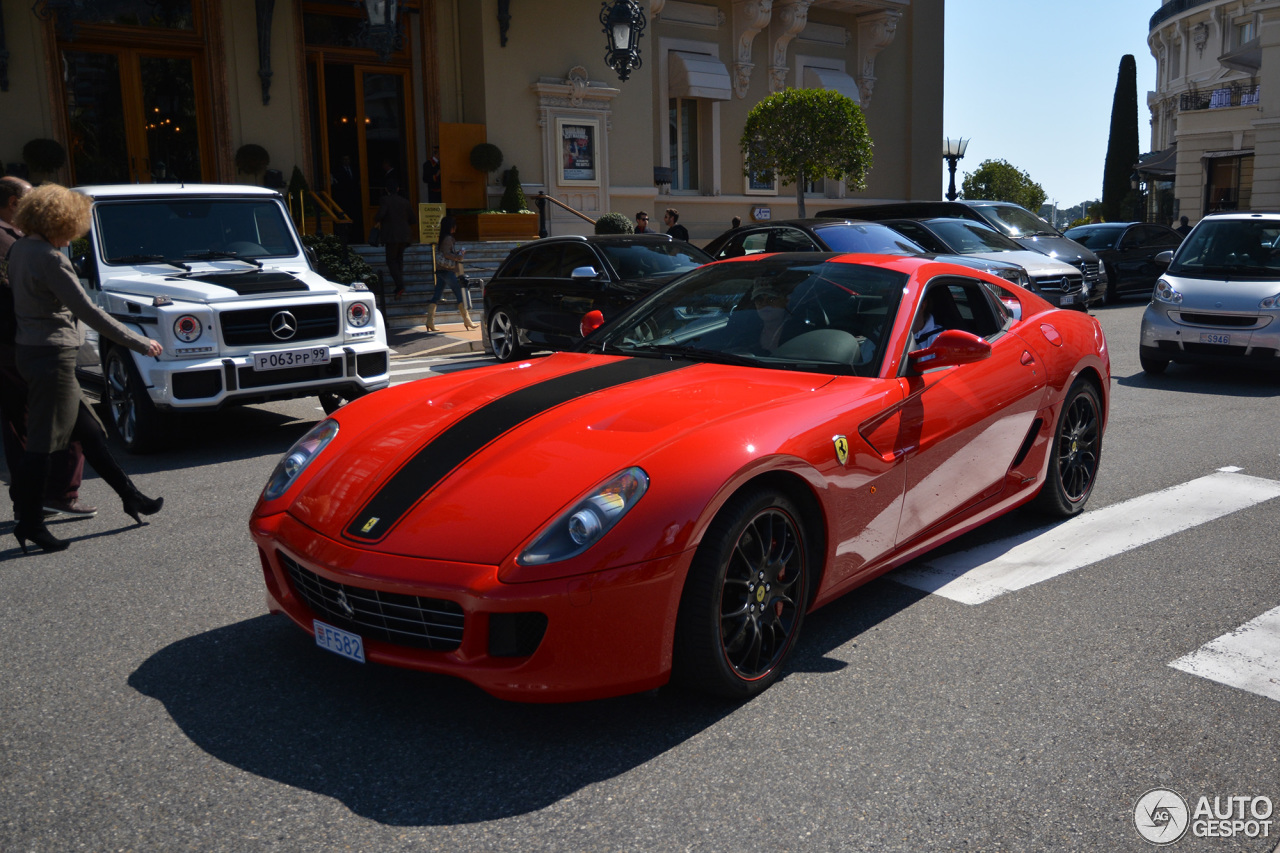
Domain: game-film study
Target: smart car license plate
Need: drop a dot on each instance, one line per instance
(339, 642)
(290, 358)
(1208, 338)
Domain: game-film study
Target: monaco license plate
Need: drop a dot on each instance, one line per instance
(290, 358)
(338, 641)
(1067, 299)
(1214, 338)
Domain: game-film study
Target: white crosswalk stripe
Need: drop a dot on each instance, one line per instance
(986, 572)
(1248, 658)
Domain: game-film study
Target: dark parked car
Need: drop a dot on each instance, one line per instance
(1012, 220)
(538, 296)
(1055, 281)
(839, 235)
(1128, 250)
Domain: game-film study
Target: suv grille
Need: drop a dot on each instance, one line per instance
(405, 620)
(252, 326)
(1088, 268)
(1059, 283)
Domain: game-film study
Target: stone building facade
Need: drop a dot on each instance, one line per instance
(160, 90)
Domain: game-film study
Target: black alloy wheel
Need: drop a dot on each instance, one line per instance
(134, 418)
(1074, 454)
(745, 597)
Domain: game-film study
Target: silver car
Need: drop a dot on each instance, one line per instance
(1219, 300)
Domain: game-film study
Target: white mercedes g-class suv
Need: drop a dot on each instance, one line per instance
(218, 275)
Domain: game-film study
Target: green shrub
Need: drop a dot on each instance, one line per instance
(338, 263)
(614, 223)
(486, 157)
(513, 198)
(44, 155)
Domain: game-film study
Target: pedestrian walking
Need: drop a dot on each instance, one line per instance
(48, 304)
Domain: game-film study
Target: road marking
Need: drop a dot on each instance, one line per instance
(1248, 658)
(988, 571)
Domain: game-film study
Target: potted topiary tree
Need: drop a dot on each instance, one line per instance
(252, 160)
(615, 223)
(504, 224)
(44, 157)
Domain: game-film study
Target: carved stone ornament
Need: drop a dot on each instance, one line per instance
(578, 82)
(749, 18)
(875, 33)
(1200, 36)
(793, 15)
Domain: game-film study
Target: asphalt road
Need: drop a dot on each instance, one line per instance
(149, 703)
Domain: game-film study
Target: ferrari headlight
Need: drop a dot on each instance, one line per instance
(358, 314)
(588, 520)
(1166, 293)
(1270, 302)
(299, 457)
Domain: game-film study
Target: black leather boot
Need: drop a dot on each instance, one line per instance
(30, 487)
(94, 444)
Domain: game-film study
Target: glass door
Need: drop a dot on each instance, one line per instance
(134, 116)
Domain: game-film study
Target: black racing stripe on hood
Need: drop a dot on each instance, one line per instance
(463, 439)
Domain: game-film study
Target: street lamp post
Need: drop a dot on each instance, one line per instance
(953, 151)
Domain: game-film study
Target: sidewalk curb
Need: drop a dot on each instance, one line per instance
(417, 342)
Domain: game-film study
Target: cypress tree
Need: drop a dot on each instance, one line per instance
(1122, 146)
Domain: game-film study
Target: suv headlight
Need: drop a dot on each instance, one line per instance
(187, 329)
(359, 314)
(1165, 293)
(588, 520)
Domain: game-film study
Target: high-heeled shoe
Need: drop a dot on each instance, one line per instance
(40, 535)
(138, 503)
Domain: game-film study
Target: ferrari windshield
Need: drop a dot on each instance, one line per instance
(1237, 248)
(788, 312)
(199, 229)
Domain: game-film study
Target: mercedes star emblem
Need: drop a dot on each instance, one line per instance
(284, 325)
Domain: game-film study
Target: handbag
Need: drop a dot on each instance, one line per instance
(375, 236)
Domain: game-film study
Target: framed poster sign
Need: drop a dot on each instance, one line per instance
(579, 151)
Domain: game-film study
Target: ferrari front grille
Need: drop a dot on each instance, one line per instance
(404, 620)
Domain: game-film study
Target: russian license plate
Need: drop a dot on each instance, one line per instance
(1212, 338)
(338, 641)
(290, 358)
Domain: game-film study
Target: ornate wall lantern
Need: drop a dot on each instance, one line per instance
(623, 22)
(381, 29)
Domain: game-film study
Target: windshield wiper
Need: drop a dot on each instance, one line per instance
(693, 353)
(223, 256)
(149, 259)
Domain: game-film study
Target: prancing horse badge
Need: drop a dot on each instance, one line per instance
(842, 448)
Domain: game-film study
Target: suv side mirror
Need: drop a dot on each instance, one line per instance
(85, 266)
(950, 348)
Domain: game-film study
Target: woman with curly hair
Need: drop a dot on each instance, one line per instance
(48, 302)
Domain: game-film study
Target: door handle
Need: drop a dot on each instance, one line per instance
(1027, 357)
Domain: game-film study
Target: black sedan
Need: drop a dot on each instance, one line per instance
(843, 235)
(1128, 251)
(538, 296)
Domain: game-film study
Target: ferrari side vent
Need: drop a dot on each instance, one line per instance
(515, 635)
(1027, 442)
(405, 620)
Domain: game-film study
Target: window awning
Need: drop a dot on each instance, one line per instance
(1158, 162)
(834, 80)
(697, 75)
(1246, 58)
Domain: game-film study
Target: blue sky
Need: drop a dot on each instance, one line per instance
(1031, 82)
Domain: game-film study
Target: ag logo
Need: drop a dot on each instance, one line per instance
(842, 448)
(1161, 816)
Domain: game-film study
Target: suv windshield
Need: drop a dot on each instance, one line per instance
(205, 229)
(787, 312)
(1015, 221)
(1239, 248)
(645, 259)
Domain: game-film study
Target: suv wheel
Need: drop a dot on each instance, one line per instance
(135, 420)
(504, 336)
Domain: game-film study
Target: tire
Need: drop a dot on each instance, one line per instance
(504, 336)
(1152, 362)
(134, 419)
(1109, 295)
(331, 401)
(1074, 454)
(745, 597)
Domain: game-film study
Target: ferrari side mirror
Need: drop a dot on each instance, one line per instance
(950, 348)
(591, 321)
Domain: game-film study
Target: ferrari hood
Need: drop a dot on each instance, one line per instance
(465, 468)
